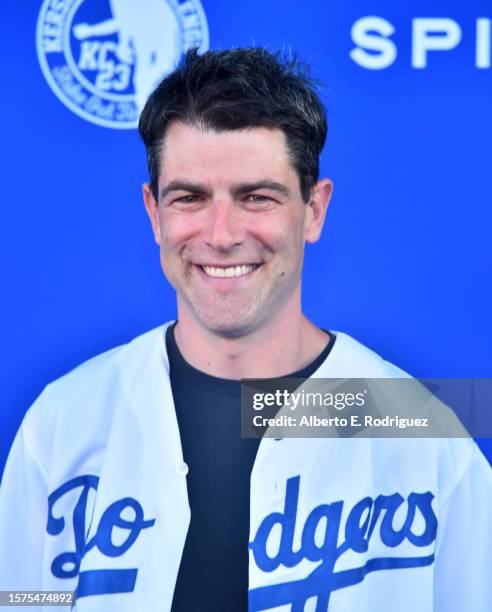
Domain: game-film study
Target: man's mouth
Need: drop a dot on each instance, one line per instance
(230, 271)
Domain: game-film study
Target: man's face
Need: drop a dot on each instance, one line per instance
(231, 225)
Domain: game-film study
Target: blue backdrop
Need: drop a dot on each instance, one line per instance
(404, 262)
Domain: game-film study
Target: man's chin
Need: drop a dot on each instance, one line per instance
(228, 318)
(230, 331)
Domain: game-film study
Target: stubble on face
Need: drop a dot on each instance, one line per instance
(225, 228)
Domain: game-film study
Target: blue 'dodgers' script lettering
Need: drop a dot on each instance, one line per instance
(67, 564)
(358, 529)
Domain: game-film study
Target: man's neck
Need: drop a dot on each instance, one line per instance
(271, 351)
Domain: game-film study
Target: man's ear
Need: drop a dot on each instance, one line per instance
(151, 208)
(317, 205)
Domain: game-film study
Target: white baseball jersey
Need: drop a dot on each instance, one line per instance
(94, 499)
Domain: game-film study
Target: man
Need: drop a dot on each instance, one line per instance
(128, 480)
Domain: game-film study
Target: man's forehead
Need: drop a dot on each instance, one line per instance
(228, 157)
(179, 129)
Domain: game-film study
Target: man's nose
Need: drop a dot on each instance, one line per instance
(224, 228)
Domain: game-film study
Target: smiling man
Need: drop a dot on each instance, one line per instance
(128, 481)
(231, 223)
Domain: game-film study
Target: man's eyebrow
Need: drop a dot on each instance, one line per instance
(239, 189)
(183, 185)
(263, 184)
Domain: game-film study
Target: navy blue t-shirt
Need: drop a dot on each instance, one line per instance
(213, 574)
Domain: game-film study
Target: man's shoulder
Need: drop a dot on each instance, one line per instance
(349, 358)
(100, 380)
(117, 361)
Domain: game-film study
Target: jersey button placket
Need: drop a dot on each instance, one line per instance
(182, 468)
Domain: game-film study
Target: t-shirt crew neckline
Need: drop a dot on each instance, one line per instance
(181, 366)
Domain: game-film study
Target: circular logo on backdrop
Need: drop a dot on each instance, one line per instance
(103, 58)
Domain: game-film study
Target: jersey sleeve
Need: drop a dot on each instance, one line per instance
(463, 565)
(23, 516)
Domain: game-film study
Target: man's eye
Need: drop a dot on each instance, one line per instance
(188, 199)
(258, 198)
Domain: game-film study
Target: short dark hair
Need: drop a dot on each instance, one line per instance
(238, 89)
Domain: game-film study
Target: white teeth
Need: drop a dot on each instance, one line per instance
(228, 272)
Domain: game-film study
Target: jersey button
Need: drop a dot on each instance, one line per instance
(182, 468)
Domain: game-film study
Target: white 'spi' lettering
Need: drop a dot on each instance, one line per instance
(372, 34)
(432, 35)
(483, 43)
